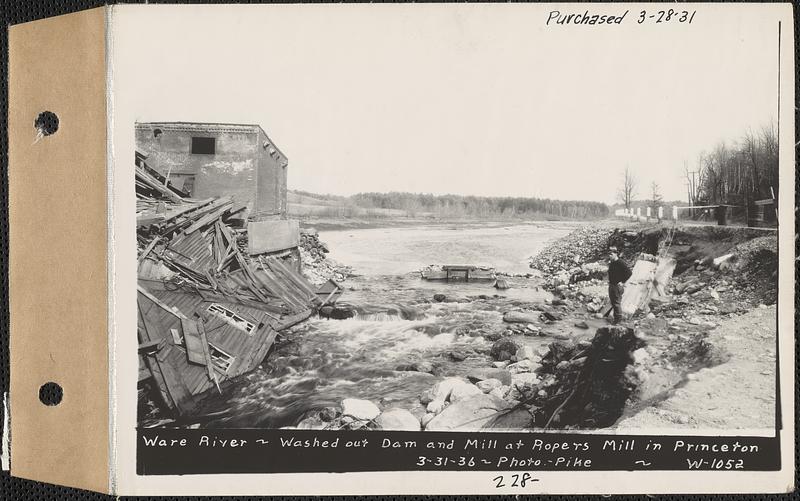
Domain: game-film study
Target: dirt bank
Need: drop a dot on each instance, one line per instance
(736, 394)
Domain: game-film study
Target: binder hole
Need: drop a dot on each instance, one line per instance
(46, 123)
(51, 394)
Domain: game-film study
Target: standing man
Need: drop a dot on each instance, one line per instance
(618, 274)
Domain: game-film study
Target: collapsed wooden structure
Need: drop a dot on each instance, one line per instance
(207, 310)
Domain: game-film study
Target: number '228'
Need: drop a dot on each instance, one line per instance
(681, 16)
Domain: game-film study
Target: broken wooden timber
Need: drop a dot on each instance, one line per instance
(295, 319)
(195, 347)
(157, 185)
(209, 218)
(207, 354)
(148, 249)
(160, 303)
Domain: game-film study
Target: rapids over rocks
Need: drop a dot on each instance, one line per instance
(398, 325)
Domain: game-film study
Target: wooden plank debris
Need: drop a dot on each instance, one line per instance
(158, 302)
(195, 347)
(201, 256)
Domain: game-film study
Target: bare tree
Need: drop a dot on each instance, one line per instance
(655, 197)
(628, 189)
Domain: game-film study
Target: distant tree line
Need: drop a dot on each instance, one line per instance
(737, 173)
(459, 205)
(325, 196)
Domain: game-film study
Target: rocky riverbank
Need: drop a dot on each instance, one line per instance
(317, 267)
(722, 277)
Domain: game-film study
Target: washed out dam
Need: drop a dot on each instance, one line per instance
(267, 308)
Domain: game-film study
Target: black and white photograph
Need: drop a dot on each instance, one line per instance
(516, 238)
(480, 224)
(402, 249)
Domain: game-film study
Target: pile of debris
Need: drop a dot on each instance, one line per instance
(310, 242)
(208, 310)
(318, 268)
(563, 258)
(587, 384)
(743, 278)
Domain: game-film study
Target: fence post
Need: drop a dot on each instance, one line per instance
(648, 213)
(675, 212)
(661, 213)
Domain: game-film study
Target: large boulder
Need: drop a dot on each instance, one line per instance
(398, 420)
(469, 414)
(500, 391)
(517, 419)
(360, 409)
(463, 392)
(504, 348)
(436, 406)
(490, 373)
(487, 385)
(442, 389)
(427, 396)
(521, 317)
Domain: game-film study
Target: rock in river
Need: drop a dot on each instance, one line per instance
(436, 406)
(359, 409)
(427, 396)
(489, 373)
(338, 312)
(521, 317)
(526, 353)
(442, 389)
(464, 391)
(328, 413)
(311, 423)
(398, 420)
(469, 414)
(487, 385)
(504, 348)
(457, 356)
(427, 419)
(420, 366)
(526, 365)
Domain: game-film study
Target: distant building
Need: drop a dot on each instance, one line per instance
(212, 160)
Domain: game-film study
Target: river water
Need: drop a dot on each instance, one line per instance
(320, 362)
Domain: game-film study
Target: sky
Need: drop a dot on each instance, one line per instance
(467, 99)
